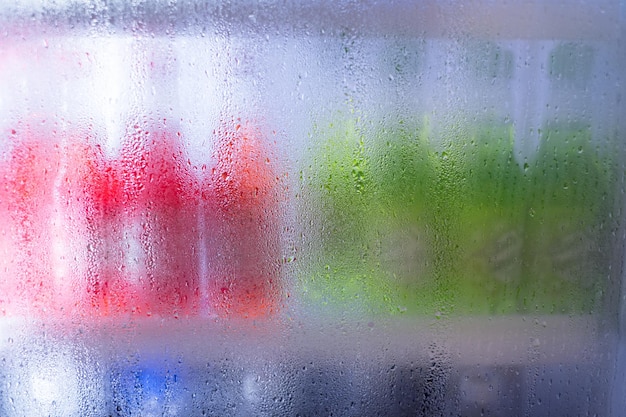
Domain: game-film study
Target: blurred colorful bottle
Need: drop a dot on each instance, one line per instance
(146, 211)
(403, 174)
(147, 204)
(242, 221)
(369, 200)
(45, 206)
(568, 228)
(28, 172)
(73, 237)
(338, 183)
(481, 215)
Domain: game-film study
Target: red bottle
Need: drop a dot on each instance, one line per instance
(242, 219)
(28, 174)
(44, 235)
(147, 209)
(147, 204)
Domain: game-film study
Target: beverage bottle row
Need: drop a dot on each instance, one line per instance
(141, 232)
(394, 225)
(408, 223)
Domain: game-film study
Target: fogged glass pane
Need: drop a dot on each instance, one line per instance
(357, 209)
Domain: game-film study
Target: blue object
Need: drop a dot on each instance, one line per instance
(151, 388)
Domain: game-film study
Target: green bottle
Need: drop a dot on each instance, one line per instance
(403, 171)
(368, 189)
(479, 220)
(567, 236)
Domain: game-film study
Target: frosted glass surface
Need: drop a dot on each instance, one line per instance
(323, 208)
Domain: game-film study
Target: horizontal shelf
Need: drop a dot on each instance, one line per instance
(460, 341)
(538, 19)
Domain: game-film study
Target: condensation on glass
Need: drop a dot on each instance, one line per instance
(304, 208)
